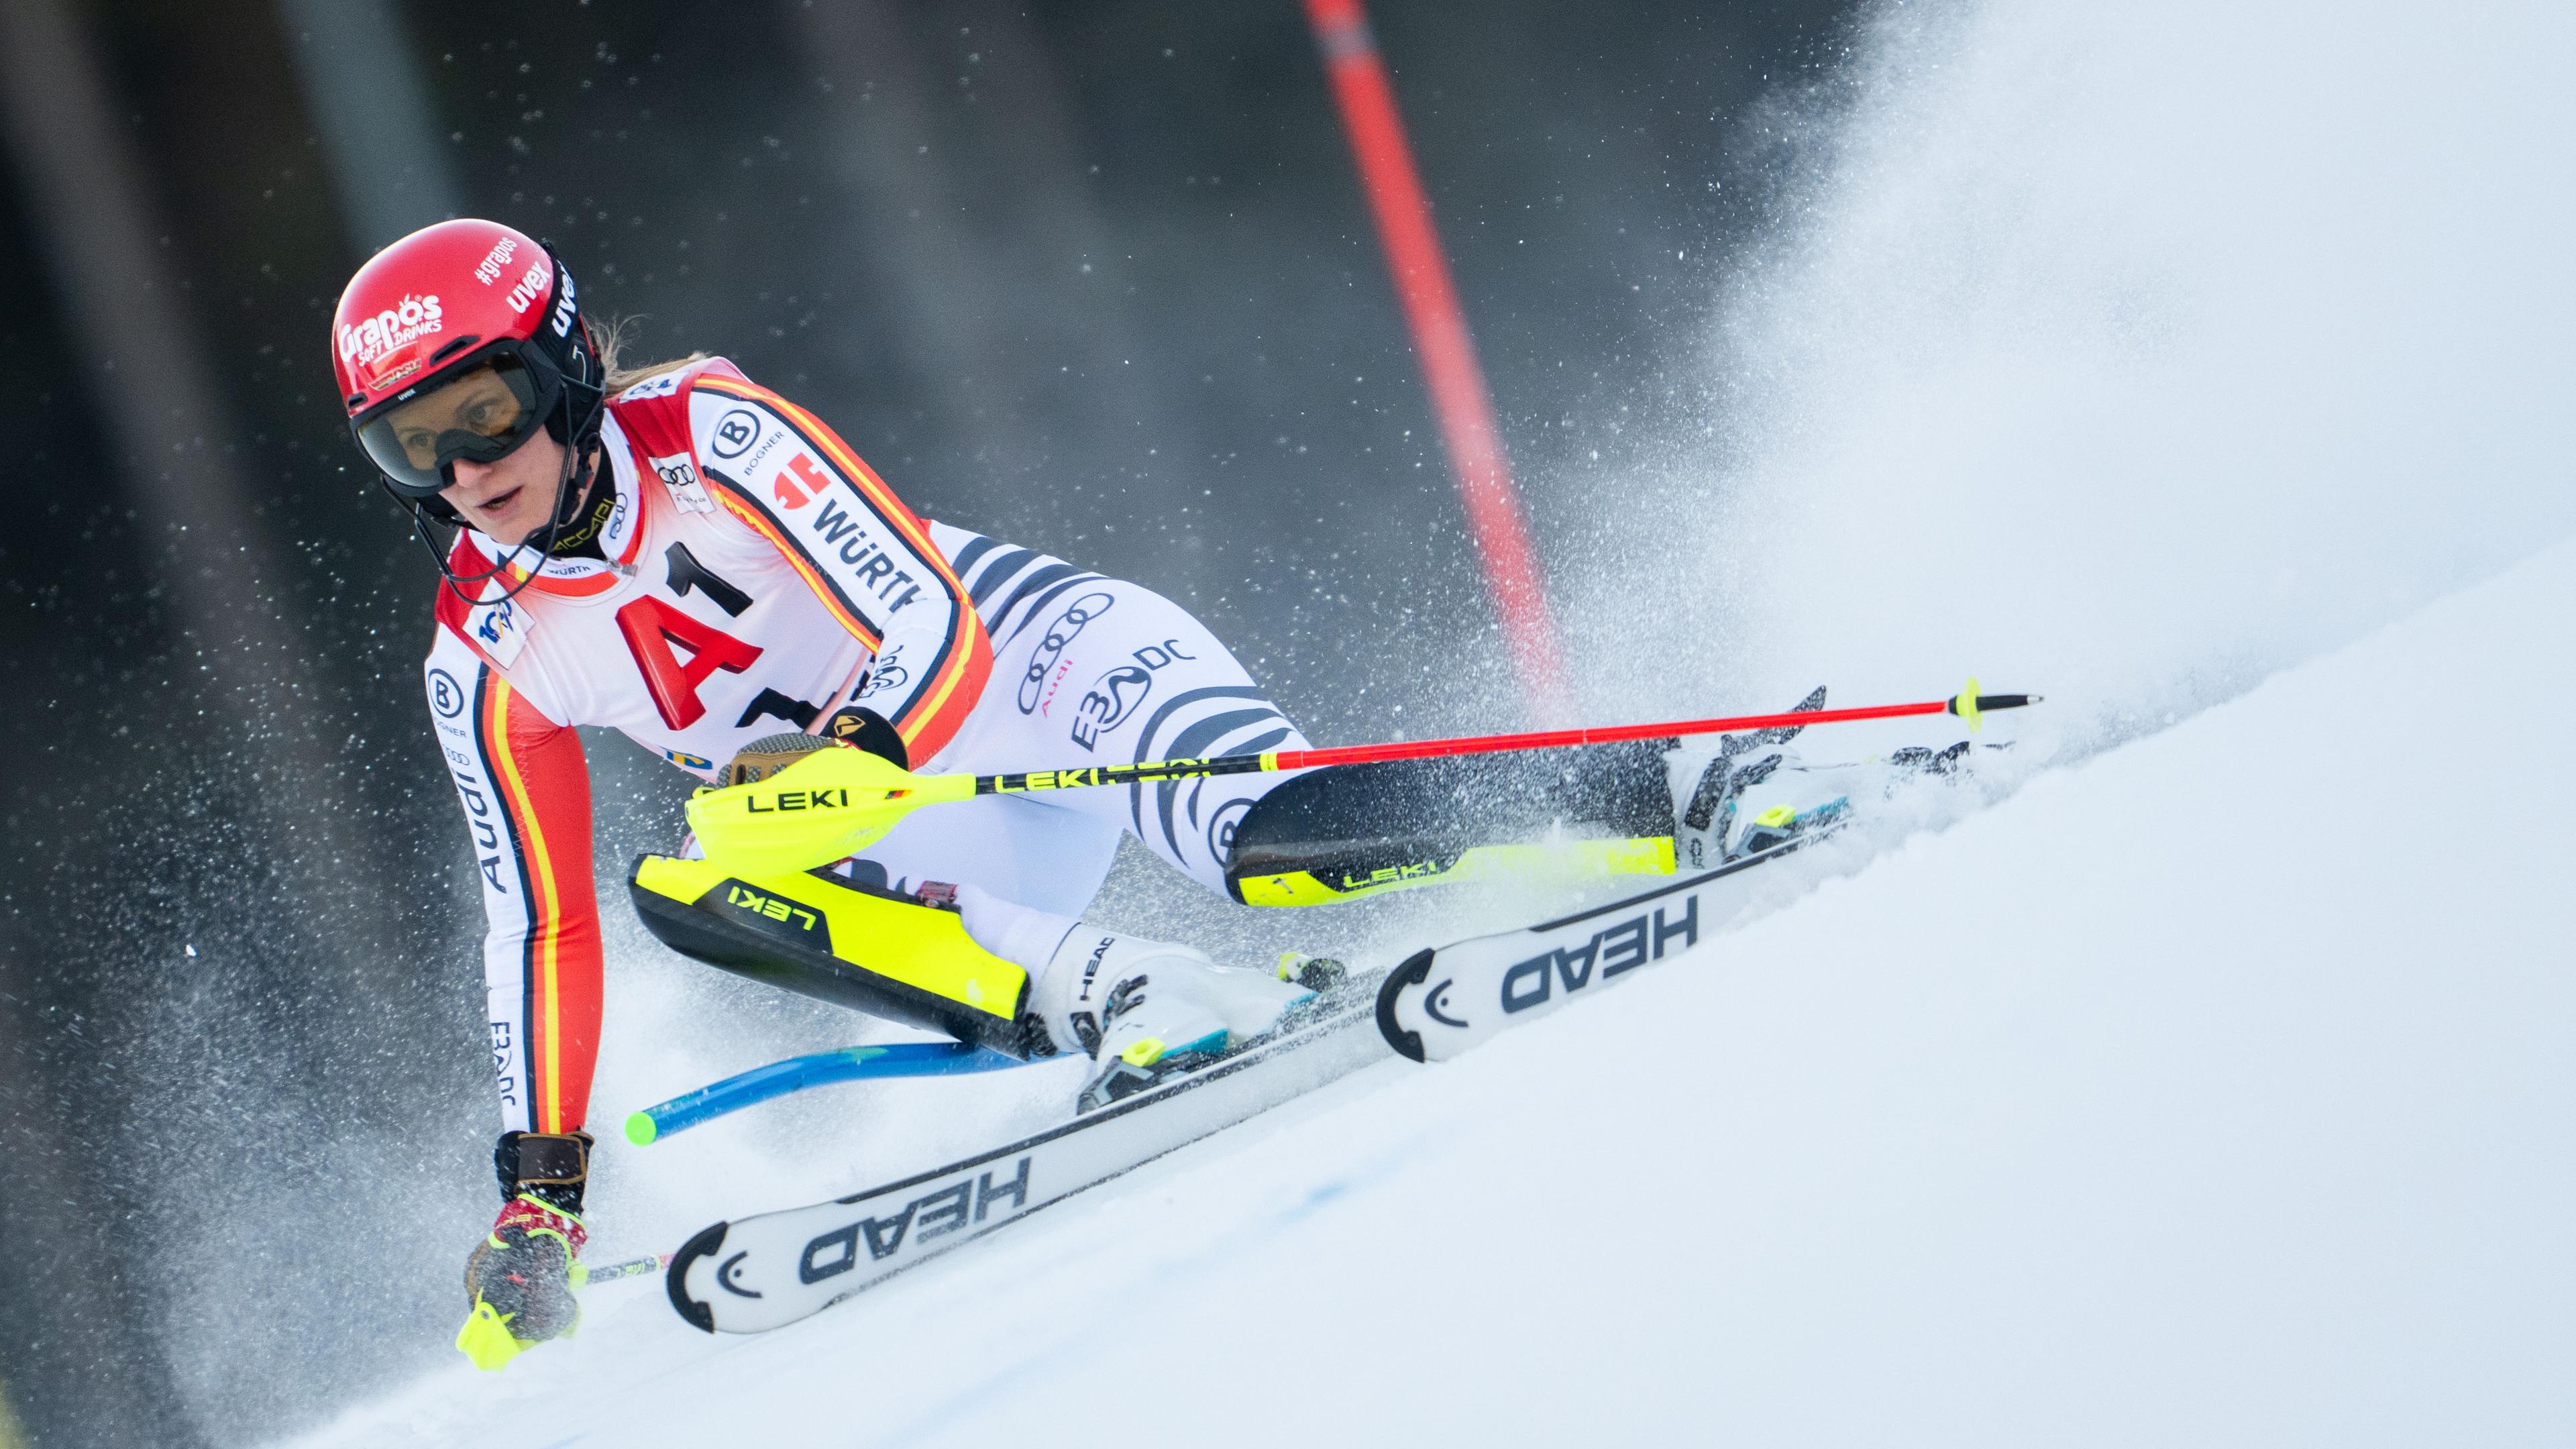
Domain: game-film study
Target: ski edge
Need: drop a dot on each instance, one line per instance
(1416, 969)
(709, 1241)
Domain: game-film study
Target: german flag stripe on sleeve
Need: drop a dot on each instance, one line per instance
(788, 476)
(759, 521)
(525, 790)
(854, 470)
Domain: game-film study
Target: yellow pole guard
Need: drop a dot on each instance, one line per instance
(828, 805)
(1968, 707)
(486, 1338)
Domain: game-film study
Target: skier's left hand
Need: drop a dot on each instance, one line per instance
(825, 804)
(520, 1281)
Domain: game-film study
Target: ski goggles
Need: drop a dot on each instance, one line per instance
(481, 415)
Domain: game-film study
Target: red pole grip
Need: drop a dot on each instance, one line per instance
(1595, 735)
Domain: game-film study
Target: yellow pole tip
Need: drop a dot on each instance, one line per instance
(641, 1129)
(486, 1340)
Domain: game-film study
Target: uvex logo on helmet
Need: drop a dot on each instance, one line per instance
(565, 307)
(532, 287)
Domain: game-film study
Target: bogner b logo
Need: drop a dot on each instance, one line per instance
(1623, 947)
(931, 1215)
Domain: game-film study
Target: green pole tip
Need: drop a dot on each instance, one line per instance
(641, 1129)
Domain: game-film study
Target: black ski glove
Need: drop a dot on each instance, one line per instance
(856, 725)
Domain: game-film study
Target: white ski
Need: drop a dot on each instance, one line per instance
(1443, 1000)
(762, 1272)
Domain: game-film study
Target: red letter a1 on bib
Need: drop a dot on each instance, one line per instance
(651, 627)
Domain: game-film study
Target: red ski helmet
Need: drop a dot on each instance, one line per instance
(458, 341)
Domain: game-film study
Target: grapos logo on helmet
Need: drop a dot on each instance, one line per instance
(488, 270)
(407, 321)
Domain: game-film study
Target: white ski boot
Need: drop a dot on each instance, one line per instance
(1757, 792)
(1145, 1010)
(1709, 790)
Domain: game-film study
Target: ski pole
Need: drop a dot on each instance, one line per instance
(835, 802)
(1968, 705)
(630, 1268)
(849, 1064)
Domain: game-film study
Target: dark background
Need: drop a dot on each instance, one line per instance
(1094, 277)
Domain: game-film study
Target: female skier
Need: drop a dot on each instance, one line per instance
(684, 555)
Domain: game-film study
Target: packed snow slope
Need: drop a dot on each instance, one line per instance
(2215, 1089)
(2139, 353)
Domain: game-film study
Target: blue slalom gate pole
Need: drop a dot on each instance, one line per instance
(849, 1064)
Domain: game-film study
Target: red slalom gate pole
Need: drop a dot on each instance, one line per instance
(1460, 399)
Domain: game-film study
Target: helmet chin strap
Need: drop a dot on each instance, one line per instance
(579, 463)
